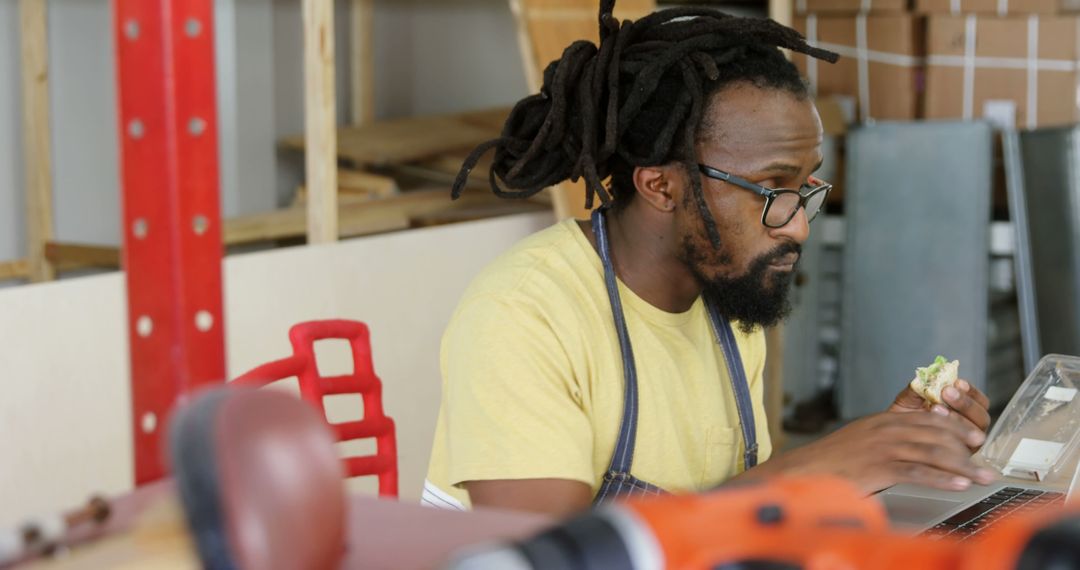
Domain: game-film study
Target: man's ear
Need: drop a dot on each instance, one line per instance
(657, 186)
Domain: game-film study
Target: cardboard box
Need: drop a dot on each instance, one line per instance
(850, 7)
(985, 67)
(880, 62)
(996, 7)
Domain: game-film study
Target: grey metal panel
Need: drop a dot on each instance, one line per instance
(916, 258)
(1052, 189)
(1025, 283)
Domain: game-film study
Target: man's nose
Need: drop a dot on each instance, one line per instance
(797, 229)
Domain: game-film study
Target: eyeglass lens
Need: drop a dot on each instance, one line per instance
(784, 205)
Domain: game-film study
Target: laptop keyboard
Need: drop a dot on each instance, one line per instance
(982, 515)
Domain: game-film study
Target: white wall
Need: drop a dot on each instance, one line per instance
(86, 169)
(245, 73)
(440, 56)
(431, 56)
(64, 389)
(86, 202)
(83, 95)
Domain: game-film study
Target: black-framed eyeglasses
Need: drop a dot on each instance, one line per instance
(781, 204)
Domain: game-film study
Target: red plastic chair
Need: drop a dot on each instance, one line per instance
(363, 381)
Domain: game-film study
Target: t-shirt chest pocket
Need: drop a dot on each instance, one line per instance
(722, 448)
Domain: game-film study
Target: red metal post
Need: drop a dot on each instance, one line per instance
(172, 218)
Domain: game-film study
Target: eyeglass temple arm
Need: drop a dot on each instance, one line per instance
(732, 179)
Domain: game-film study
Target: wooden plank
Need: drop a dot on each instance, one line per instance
(355, 186)
(414, 138)
(552, 26)
(18, 269)
(363, 61)
(444, 168)
(68, 256)
(320, 121)
(357, 181)
(37, 135)
(292, 223)
(355, 219)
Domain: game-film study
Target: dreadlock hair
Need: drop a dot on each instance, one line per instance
(637, 99)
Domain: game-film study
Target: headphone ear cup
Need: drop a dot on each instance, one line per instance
(260, 481)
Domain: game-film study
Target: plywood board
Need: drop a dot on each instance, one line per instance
(366, 182)
(545, 29)
(555, 24)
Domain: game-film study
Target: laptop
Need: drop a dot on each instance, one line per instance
(1033, 446)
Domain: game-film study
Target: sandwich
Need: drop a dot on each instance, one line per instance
(931, 380)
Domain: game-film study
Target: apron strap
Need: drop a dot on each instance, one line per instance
(623, 457)
(739, 384)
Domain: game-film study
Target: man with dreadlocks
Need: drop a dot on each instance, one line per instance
(624, 355)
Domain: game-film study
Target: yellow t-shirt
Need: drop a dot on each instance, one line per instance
(533, 380)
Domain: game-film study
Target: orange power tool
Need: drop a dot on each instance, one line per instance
(784, 524)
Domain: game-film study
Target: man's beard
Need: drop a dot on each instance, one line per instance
(760, 297)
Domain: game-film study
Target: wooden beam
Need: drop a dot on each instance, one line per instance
(320, 121)
(782, 11)
(774, 384)
(68, 256)
(525, 45)
(34, 34)
(18, 269)
(65, 257)
(363, 61)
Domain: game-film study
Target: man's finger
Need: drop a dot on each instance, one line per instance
(952, 457)
(967, 406)
(908, 400)
(972, 443)
(973, 392)
(921, 474)
(934, 428)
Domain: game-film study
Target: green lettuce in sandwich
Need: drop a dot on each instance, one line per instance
(931, 380)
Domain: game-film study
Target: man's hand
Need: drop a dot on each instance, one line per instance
(966, 402)
(884, 449)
